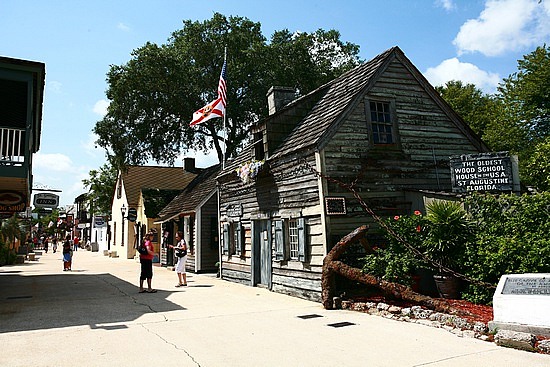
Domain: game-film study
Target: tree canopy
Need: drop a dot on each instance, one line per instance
(101, 188)
(516, 118)
(153, 96)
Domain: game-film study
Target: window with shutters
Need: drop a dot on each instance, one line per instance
(290, 239)
(233, 239)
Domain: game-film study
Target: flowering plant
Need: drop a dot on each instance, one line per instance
(392, 260)
(249, 170)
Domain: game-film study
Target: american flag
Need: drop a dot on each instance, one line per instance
(215, 108)
(222, 89)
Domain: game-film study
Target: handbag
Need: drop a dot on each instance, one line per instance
(180, 252)
(142, 249)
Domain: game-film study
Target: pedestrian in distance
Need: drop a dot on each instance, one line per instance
(181, 254)
(67, 254)
(146, 261)
(76, 243)
(54, 245)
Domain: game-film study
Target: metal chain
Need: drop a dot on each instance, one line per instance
(391, 231)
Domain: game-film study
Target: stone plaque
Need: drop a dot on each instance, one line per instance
(528, 286)
(520, 303)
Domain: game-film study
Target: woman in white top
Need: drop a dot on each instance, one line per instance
(181, 253)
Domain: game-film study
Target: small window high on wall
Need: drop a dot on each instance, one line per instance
(382, 124)
(259, 151)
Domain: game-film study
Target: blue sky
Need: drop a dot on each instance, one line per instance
(476, 41)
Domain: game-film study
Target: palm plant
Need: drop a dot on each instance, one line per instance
(449, 232)
(11, 230)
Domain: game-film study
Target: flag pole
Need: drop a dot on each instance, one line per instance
(224, 116)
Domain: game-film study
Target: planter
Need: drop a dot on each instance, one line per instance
(447, 286)
(415, 284)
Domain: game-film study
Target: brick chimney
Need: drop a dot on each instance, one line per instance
(278, 97)
(189, 164)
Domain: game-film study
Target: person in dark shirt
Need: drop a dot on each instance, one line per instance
(67, 254)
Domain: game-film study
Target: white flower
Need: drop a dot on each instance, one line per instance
(249, 170)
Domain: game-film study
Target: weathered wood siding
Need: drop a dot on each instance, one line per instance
(420, 159)
(288, 188)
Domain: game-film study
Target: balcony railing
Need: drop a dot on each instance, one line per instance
(12, 147)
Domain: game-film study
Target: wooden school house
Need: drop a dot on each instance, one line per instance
(380, 127)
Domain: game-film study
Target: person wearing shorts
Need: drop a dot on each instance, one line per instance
(180, 266)
(146, 261)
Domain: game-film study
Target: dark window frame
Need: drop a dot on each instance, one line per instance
(381, 131)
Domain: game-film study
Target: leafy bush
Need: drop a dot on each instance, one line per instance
(7, 256)
(494, 236)
(393, 261)
(512, 236)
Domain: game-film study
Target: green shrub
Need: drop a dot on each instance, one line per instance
(496, 235)
(7, 256)
(512, 236)
(393, 261)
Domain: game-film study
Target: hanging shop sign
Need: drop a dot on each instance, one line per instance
(46, 200)
(99, 222)
(132, 214)
(12, 202)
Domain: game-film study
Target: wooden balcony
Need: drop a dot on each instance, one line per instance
(21, 99)
(14, 160)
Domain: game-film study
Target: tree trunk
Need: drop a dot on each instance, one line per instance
(331, 267)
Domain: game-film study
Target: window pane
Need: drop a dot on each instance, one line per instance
(293, 238)
(381, 123)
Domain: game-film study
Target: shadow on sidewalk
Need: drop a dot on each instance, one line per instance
(33, 302)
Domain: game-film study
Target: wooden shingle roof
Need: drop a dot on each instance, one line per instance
(153, 177)
(193, 195)
(337, 99)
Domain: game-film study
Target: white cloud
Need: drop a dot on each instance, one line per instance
(446, 4)
(505, 25)
(453, 69)
(54, 162)
(100, 107)
(54, 86)
(59, 172)
(123, 27)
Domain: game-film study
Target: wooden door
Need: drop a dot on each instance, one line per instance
(261, 248)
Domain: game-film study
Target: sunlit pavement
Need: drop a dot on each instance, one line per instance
(94, 316)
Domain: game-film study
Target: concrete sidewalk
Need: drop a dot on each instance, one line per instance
(94, 316)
